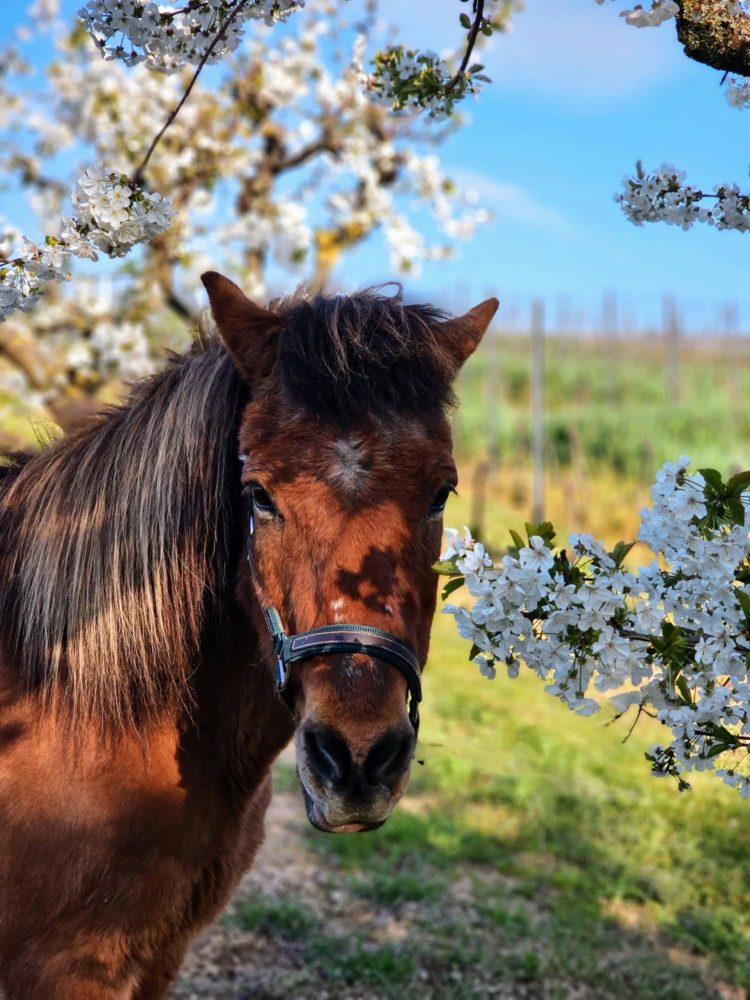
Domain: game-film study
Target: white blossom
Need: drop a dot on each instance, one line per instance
(663, 196)
(657, 12)
(737, 93)
(676, 633)
(165, 38)
(111, 215)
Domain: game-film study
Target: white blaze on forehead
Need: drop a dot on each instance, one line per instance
(337, 608)
(349, 465)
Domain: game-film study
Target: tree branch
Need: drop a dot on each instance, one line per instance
(713, 36)
(138, 175)
(23, 355)
(470, 43)
(179, 308)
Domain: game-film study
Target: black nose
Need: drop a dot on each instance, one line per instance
(390, 757)
(384, 766)
(328, 754)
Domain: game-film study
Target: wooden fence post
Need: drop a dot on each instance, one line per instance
(671, 323)
(537, 410)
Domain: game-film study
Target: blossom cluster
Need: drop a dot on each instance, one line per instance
(664, 10)
(671, 639)
(404, 79)
(119, 348)
(341, 172)
(408, 80)
(737, 93)
(663, 196)
(650, 17)
(111, 215)
(165, 38)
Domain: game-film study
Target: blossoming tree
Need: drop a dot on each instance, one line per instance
(279, 163)
(291, 159)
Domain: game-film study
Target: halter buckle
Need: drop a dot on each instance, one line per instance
(282, 674)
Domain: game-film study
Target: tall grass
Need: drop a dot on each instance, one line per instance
(608, 405)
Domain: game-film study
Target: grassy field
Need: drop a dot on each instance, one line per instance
(533, 856)
(611, 405)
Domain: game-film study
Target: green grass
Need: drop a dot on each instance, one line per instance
(273, 916)
(608, 405)
(358, 964)
(585, 872)
(402, 880)
(582, 863)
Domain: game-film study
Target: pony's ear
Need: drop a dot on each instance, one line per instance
(463, 334)
(249, 331)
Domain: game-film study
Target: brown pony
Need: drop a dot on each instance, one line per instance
(139, 715)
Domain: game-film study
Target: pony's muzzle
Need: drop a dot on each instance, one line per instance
(351, 786)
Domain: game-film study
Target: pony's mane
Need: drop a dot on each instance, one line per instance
(348, 357)
(116, 540)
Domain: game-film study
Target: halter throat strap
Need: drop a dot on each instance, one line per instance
(334, 639)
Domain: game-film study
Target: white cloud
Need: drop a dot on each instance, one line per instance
(558, 48)
(513, 202)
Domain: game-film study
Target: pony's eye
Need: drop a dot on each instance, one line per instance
(262, 501)
(440, 499)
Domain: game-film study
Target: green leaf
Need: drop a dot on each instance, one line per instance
(716, 749)
(713, 478)
(451, 585)
(474, 651)
(465, 21)
(739, 482)
(735, 510)
(446, 567)
(544, 529)
(476, 68)
(517, 540)
(682, 686)
(620, 551)
(744, 602)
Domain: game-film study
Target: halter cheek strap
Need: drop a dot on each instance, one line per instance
(335, 639)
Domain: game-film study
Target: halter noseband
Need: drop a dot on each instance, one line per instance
(328, 639)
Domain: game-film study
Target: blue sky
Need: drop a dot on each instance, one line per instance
(577, 96)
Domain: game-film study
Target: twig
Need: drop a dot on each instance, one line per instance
(473, 32)
(138, 175)
(640, 712)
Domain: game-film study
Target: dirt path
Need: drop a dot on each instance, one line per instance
(300, 928)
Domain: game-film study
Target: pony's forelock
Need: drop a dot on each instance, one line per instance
(348, 357)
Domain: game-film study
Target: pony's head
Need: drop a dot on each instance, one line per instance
(347, 467)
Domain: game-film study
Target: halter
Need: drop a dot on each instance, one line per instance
(330, 639)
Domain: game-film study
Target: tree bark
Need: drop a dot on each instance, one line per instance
(712, 36)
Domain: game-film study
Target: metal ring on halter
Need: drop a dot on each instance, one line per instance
(335, 639)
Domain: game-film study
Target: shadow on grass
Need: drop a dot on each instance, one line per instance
(582, 886)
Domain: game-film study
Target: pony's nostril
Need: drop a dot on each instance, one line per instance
(327, 754)
(390, 757)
